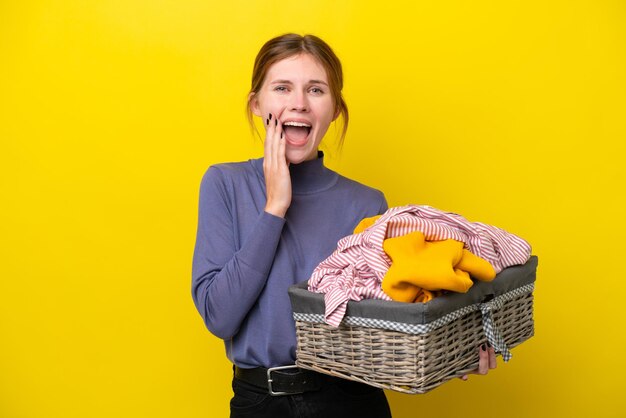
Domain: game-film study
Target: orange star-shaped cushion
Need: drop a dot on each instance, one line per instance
(432, 265)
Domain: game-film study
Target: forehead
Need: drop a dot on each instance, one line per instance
(299, 68)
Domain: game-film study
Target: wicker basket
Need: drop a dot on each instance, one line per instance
(413, 348)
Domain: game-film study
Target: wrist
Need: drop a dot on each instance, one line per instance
(276, 210)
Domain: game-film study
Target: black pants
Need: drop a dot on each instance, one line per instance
(338, 398)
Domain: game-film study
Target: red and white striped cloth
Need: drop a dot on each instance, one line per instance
(355, 270)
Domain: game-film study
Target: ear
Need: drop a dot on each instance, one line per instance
(254, 104)
(337, 113)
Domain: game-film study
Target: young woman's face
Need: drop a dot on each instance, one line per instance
(296, 91)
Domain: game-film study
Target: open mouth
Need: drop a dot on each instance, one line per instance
(296, 133)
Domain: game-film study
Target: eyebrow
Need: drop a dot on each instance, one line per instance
(290, 82)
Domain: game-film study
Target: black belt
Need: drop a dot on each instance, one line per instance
(285, 380)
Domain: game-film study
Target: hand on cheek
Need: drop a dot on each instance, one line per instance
(276, 168)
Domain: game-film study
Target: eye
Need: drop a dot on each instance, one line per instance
(316, 90)
(280, 88)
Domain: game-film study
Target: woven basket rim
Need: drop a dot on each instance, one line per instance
(418, 328)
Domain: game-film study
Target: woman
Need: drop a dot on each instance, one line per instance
(266, 223)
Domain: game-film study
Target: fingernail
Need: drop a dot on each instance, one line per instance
(276, 122)
(483, 347)
(270, 116)
(488, 345)
(267, 121)
(281, 135)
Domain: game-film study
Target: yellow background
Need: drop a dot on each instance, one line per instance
(507, 112)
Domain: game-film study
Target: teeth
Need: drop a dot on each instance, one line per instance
(306, 125)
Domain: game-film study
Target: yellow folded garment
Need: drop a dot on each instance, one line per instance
(424, 295)
(365, 223)
(419, 265)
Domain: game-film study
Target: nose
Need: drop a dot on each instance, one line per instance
(299, 102)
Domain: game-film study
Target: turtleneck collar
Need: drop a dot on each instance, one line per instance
(307, 177)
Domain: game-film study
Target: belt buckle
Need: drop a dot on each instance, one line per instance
(269, 380)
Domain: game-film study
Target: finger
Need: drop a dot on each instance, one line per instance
(279, 122)
(280, 160)
(279, 128)
(492, 357)
(269, 123)
(269, 140)
(281, 141)
(464, 377)
(278, 150)
(282, 145)
(266, 125)
(483, 359)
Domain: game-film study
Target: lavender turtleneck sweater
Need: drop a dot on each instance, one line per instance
(245, 258)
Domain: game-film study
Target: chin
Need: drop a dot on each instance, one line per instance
(299, 156)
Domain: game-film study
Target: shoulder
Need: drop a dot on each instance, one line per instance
(225, 179)
(350, 184)
(230, 172)
(230, 169)
(362, 193)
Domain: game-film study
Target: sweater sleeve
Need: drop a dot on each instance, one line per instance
(383, 205)
(227, 281)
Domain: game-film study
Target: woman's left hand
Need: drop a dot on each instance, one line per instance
(486, 360)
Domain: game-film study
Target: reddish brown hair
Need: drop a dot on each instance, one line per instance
(289, 45)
